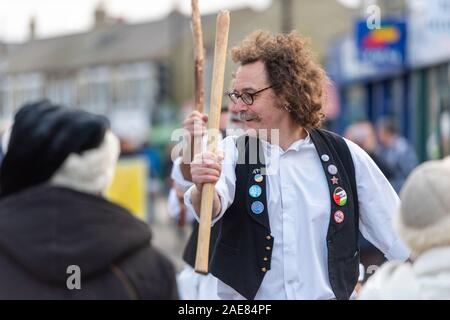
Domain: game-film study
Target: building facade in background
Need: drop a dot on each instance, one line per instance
(401, 70)
(147, 66)
(113, 66)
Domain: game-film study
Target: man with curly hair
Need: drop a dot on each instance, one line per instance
(292, 197)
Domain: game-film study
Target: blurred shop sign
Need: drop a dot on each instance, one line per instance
(428, 31)
(422, 40)
(384, 46)
(343, 64)
(129, 186)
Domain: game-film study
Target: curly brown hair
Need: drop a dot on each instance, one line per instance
(291, 69)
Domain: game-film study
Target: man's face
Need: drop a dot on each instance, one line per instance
(384, 137)
(265, 112)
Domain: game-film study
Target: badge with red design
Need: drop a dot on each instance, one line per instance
(339, 217)
(340, 196)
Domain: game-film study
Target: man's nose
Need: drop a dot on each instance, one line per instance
(238, 106)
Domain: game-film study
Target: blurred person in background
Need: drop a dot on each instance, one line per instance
(57, 166)
(180, 177)
(438, 142)
(424, 224)
(194, 286)
(132, 128)
(363, 134)
(396, 152)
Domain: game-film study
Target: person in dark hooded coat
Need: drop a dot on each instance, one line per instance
(55, 225)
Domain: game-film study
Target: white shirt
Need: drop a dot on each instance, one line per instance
(177, 175)
(299, 208)
(196, 286)
(191, 285)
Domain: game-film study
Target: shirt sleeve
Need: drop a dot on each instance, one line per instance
(226, 185)
(378, 203)
(178, 177)
(173, 206)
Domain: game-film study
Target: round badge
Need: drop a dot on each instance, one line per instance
(257, 207)
(259, 178)
(325, 157)
(332, 169)
(339, 217)
(255, 191)
(340, 196)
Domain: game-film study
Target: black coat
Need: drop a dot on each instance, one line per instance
(45, 229)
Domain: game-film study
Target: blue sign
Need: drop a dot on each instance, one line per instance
(384, 46)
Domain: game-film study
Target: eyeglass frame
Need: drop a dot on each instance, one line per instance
(239, 96)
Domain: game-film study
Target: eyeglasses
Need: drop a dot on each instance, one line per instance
(246, 97)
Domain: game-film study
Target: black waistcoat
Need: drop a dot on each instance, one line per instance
(190, 251)
(243, 250)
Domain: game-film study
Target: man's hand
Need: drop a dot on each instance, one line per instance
(195, 126)
(206, 168)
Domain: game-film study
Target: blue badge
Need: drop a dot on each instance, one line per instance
(255, 191)
(257, 207)
(259, 178)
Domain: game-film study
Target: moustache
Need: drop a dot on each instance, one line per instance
(247, 116)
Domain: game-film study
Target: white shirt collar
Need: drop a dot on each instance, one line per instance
(295, 146)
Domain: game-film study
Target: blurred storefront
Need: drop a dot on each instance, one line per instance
(401, 69)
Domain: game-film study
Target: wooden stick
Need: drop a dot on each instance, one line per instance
(199, 57)
(196, 145)
(193, 145)
(220, 54)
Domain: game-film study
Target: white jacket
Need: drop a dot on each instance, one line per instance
(427, 279)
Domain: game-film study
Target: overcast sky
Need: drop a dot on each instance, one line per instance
(55, 17)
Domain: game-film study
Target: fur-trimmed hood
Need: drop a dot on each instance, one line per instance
(423, 221)
(428, 278)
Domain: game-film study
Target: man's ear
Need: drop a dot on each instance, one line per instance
(285, 105)
(283, 101)
(287, 108)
